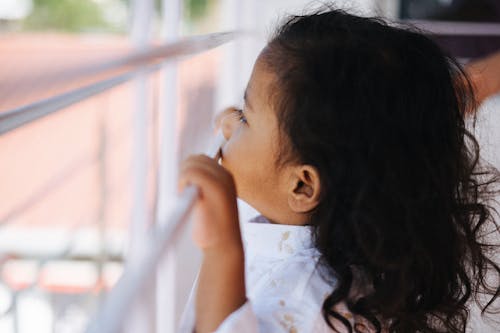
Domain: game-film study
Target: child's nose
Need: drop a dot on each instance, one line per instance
(223, 121)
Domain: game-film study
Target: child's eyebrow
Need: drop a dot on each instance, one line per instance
(247, 102)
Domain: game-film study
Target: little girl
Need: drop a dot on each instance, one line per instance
(352, 146)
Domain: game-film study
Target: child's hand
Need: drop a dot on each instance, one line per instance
(221, 281)
(216, 225)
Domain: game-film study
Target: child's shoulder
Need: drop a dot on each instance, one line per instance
(284, 266)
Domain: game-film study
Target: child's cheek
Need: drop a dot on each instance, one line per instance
(231, 150)
(234, 160)
(229, 156)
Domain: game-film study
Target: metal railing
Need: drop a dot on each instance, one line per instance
(137, 272)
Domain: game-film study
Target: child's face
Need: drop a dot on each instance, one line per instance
(252, 147)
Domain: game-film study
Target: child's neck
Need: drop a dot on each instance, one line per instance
(290, 218)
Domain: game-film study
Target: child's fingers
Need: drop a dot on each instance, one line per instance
(206, 182)
(200, 162)
(204, 172)
(204, 159)
(186, 173)
(198, 177)
(211, 165)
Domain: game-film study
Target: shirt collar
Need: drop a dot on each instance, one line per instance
(260, 237)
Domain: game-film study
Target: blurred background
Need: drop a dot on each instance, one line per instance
(80, 186)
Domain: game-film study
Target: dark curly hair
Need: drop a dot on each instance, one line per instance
(379, 110)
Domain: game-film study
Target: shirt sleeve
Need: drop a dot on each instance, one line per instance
(273, 315)
(277, 320)
(243, 320)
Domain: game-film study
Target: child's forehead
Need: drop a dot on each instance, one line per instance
(260, 81)
(247, 100)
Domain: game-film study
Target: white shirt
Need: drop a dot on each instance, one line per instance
(285, 290)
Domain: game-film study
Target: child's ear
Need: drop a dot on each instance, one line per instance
(304, 189)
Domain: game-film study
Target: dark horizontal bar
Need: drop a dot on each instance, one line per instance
(462, 39)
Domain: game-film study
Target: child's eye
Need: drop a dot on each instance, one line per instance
(241, 115)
